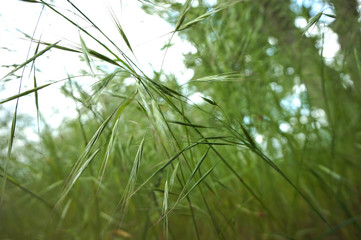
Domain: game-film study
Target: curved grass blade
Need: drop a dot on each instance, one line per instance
(74, 177)
(120, 29)
(164, 210)
(101, 84)
(30, 1)
(37, 102)
(165, 165)
(187, 124)
(83, 161)
(127, 62)
(94, 38)
(226, 77)
(10, 147)
(185, 9)
(11, 180)
(27, 92)
(181, 196)
(186, 195)
(112, 139)
(191, 177)
(210, 101)
(202, 17)
(85, 52)
(198, 182)
(132, 180)
(172, 178)
(339, 226)
(91, 52)
(31, 59)
(314, 20)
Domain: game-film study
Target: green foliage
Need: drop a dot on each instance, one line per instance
(272, 151)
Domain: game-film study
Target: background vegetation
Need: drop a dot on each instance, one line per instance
(272, 152)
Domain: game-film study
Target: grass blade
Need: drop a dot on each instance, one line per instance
(120, 29)
(17, 96)
(31, 59)
(86, 54)
(132, 180)
(164, 210)
(11, 180)
(74, 177)
(314, 20)
(83, 161)
(202, 17)
(187, 124)
(112, 139)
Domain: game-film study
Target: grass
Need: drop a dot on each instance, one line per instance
(141, 161)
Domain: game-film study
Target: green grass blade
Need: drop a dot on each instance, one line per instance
(164, 210)
(181, 196)
(83, 161)
(132, 180)
(30, 1)
(74, 177)
(102, 83)
(165, 165)
(198, 182)
(36, 92)
(31, 59)
(8, 156)
(36, 196)
(17, 96)
(202, 17)
(172, 178)
(127, 66)
(314, 20)
(85, 52)
(112, 138)
(187, 124)
(90, 51)
(344, 223)
(181, 18)
(120, 29)
(212, 102)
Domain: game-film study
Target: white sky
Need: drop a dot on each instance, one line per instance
(146, 34)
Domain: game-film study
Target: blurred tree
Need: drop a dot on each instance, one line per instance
(281, 85)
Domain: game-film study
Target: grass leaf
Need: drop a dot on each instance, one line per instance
(31, 59)
(314, 20)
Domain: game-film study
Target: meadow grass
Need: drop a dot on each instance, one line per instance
(141, 161)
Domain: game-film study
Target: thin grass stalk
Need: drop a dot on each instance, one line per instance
(164, 211)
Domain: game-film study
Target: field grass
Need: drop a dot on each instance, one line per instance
(142, 161)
